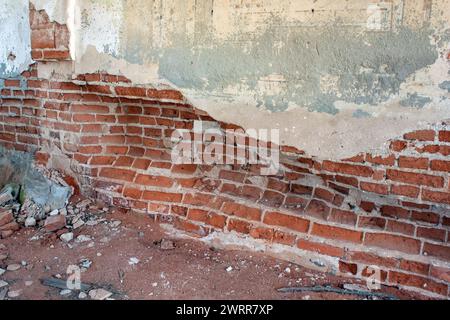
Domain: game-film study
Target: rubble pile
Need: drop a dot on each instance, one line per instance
(40, 202)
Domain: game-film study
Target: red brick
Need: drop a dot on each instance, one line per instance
(400, 227)
(102, 160)
(440, 273)
(118, 174)
(179, 210)
(435, 250)
(242, 211)
(321, 248)
(283, 238)
(6, 217)
(398, 145)
(394, 212)
(262, 233)
(301, 189)
(347, 267)
(272, 198)
(162, 196)
(431, 233)
(428, 217)
(369, 271)
(43, 39)
(350, 169)
(376, 223)
(206, 200)
(287, 221)
(414, 266)
(440, 165)
(54, 223)
(210, 218)
(444, 136)
(415, 178)
(56, 54)
(436, 196)
(414, 163)
(417, 282)
(336, 233)
(133, 193)
(374, 187)
(131, 91)
(421, 135)
(392, 242)
(342, 217)
(318, 209)
(405, 190)
(151, 180)
(373, 259)
(383, 160)
(239, 226)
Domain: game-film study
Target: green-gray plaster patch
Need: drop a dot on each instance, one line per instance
(415, 100)
(445, 85)
(369, 67)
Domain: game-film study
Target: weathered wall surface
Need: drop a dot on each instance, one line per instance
(15, 47)
(337, 78)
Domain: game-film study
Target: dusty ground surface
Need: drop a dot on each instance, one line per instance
(191, 270)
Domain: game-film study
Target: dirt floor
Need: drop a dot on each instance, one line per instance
(129, 260)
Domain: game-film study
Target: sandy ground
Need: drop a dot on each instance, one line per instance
(191, 270)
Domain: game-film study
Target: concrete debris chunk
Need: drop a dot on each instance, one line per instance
(3, 284)
(133, 261)
(83, 238)
(14, 293)
(13, 267)
(30, 222)
(99, 294)
(167, 244)
(67, 237)
(54, 223)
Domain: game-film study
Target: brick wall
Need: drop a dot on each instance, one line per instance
(390, 210)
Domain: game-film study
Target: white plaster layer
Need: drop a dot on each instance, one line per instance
(15, 43)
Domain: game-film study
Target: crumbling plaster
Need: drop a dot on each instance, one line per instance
(336, 77)
(15, 43)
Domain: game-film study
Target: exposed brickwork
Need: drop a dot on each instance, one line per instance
(388, 210)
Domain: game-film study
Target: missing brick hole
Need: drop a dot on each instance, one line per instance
(11, 56)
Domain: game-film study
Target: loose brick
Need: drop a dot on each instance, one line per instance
(347, 267)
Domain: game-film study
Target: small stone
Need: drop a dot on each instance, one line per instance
(83, 238)
(82, 295)
(54, 213)
(167, 244)
(154, 284)
(229, 269)
(65, 292)
(13, 267)
(85, 263)
(287, 270)
(3, 284)
(30, 222)
(78, 224)
(133, 261)
(6, 217)
(28, 283)
(54, 223)
(14, 293)
(84, 203)
(116, 223)
(23, 263)
(2, 271)
(67, 237)
(99, 294)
